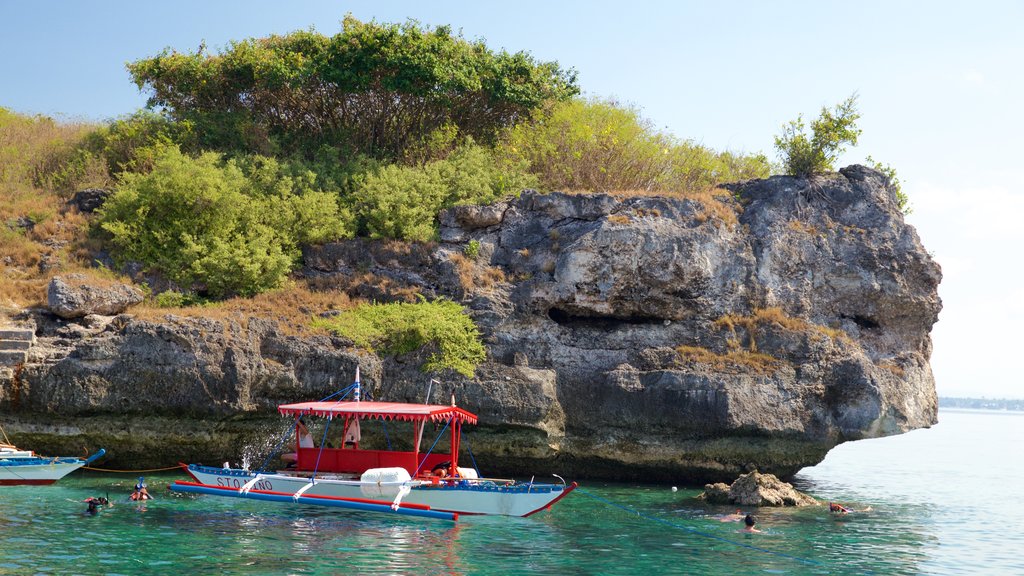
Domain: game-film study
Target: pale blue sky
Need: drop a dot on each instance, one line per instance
(940, 88)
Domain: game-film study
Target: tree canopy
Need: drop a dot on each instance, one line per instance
(378, 89)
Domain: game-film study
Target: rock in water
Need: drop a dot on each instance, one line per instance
(755, 489)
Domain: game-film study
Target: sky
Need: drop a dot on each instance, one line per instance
(940, 91)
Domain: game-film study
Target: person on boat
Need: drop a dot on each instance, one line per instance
(141, 492)
(749, 522)
(305, 440)
(441, 469)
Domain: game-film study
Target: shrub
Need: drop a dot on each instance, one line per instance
(383, 89)
(472, 249)
(400, 328)
(402, 202)
(602, 146)
(902, 200)
(803, 156)
(40, 152)
(225, 227)
(133, 142)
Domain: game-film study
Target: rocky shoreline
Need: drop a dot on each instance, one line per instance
(637, 338)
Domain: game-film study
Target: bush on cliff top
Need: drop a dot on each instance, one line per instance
(381, 89)
(402, 202)
(227, 226)
(803, 156)
(400, 328)
(42, 161)
(602, 146)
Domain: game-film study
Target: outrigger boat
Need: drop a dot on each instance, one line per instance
(393, 481)
(26, 467)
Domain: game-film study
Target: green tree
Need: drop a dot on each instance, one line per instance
(382, 89)
(221, 227)
(805, 156)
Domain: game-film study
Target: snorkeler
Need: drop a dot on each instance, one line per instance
(94, 504)
(140, 492)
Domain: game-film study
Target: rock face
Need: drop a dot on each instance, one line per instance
(639, 338)
(72, 296)
(755, 489)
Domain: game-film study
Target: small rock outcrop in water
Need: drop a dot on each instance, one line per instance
(73, 296)
(755, 489)
(647, 338)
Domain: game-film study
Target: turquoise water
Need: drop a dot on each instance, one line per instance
(945, 501)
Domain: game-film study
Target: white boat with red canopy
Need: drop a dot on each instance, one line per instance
(412, 482)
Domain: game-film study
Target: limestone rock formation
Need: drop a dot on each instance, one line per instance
(650, 338)
(73, 296)
(755, 489)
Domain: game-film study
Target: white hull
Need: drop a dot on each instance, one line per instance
(465, 497)
(25, 467)
(44, 473)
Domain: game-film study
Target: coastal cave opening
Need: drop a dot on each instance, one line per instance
(864, 322)
(569, 320)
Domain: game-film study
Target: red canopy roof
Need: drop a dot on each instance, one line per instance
(381, 410)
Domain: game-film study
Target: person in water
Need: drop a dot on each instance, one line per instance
(94, 504)
(732, 517)
(750, 521)
(141, 492)
(840, 509)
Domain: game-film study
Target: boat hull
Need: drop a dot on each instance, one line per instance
(36, 474)
(22, 467)
(461, 497)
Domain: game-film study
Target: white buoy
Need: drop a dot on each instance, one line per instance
(674, 489)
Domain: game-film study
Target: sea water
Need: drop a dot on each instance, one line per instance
(946, 500)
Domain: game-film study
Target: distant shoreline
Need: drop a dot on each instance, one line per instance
(998, 404)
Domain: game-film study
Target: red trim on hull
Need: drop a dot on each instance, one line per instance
(26, 482)
(189, 472)
(548, 506)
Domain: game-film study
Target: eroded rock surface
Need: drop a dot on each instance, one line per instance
(756, 489)
(75, 296)
(637, 338)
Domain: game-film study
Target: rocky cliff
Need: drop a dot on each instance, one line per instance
(631, 338)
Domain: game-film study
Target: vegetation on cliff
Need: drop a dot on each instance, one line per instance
(401, 328)
(274, 143)
(384, 90)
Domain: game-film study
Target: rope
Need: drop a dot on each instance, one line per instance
(323, 444)
(284, 437)
(470, 450)
(131, 471)
(698, 532)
